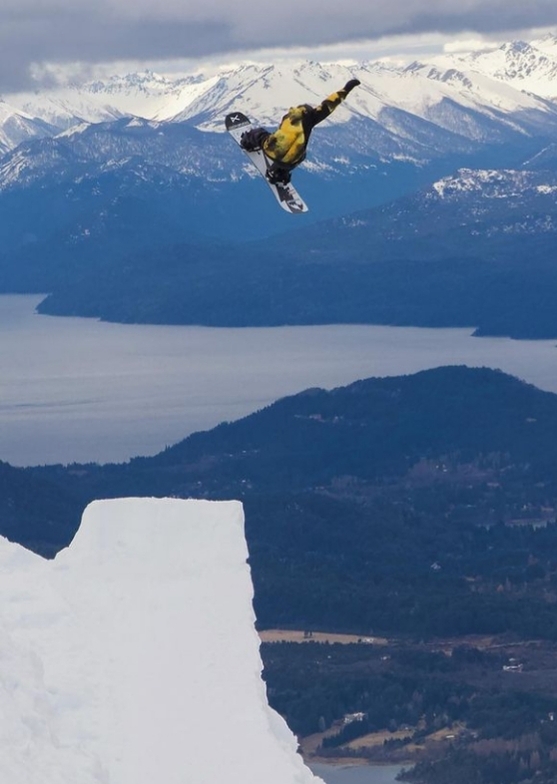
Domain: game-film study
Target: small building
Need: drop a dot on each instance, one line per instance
(350, 718)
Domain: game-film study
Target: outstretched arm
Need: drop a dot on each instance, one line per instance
(328, 106)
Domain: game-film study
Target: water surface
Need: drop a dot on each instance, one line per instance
(75, 389)
(357, 774)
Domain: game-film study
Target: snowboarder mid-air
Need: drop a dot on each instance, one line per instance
(286, 147)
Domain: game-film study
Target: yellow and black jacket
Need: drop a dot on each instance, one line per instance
(287, 145)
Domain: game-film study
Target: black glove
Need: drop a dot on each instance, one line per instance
(351, 84)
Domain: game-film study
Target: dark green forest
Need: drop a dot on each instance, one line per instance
(467, 259)
(474, 285)
(451, 708)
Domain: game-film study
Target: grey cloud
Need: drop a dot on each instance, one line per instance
(490, 17)
(69, 37)
(69, 30)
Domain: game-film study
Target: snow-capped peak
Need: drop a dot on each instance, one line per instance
(495, 184)
(264, 92)
(548, 43)
(144, 81)
(478, 97)
(17, 126)
(525, 66)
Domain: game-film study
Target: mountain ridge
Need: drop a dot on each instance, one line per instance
(97, 202)
(329, 480)
(474, 249)
(475, 82)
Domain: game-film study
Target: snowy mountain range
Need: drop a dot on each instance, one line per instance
(127, 137)
(483, 96)
(476, 204)
(141, 160)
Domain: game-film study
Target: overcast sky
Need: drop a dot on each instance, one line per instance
(97, 31)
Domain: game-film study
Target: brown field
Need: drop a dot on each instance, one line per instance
(285, 635)
(377, 739)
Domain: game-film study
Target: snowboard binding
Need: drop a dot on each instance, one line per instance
(277, 176)
(252, 140)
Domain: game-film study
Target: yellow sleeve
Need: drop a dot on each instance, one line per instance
(328, 106)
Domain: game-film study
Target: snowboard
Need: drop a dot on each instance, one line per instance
(286, 195)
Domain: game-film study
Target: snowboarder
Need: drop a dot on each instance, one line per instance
(286, 147)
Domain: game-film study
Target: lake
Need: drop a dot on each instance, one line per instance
(80, 390)
(357, 774)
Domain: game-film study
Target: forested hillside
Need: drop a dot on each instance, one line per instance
(355, 494)
(418, 508)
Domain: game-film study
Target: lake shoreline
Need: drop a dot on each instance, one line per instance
(356, 774)
(77, 390)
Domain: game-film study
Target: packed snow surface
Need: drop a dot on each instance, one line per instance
(132, 658)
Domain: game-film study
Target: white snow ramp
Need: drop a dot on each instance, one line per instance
(132, 658)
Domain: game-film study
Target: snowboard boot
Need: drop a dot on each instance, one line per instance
(278, 176)
(253, 139)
